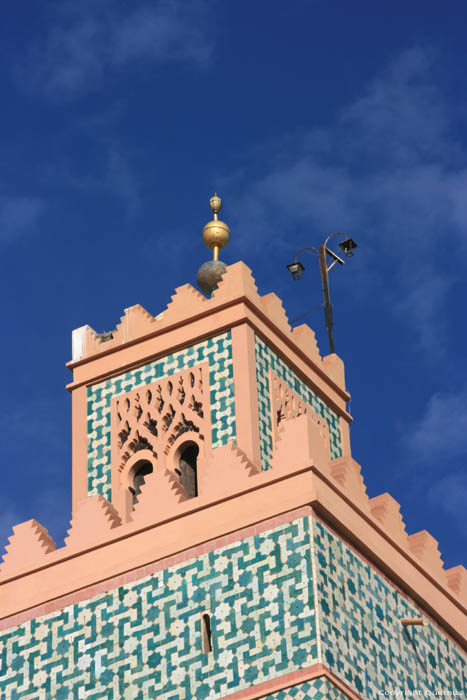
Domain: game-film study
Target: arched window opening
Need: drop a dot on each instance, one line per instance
(206, 633)
(187, 469)
(143, 469)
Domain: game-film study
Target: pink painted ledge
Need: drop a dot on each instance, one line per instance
(209, 546)
(147, 570)
(93, 359)
(289, 680)
(237, 282)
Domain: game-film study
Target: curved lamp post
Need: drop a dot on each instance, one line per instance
(347, 245)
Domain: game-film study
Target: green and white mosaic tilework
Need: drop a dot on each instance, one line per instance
(317, 689)
(266, 359)
(143, 640)
(362, 638)
(217, 351)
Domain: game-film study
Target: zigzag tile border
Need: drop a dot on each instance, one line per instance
(266, 359)
(217, 351)
(317, 689)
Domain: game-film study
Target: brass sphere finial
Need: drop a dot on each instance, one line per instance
(216, 234)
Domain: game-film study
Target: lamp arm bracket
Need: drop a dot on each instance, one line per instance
(336, 258)
(338, 233)
(309, 249)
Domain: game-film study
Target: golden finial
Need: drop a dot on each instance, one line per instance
(216, 234)
(215, 204)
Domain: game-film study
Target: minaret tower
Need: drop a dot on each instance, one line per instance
(222, 543)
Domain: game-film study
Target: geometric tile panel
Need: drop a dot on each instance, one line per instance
(217, 351)
(266, 359)
(362, 638)
(144, 640)
(317, 689)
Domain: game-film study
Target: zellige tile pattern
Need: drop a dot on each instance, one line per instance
(143, 640)
(317, 689)
(266, 359)
(217, 351)
(362, 639)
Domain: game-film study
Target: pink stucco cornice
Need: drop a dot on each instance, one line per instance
(190, 317)
(301, 475)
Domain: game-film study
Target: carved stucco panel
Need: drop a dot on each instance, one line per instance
(152, 419)
(287, 403)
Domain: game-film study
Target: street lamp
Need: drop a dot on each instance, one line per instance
(296, 268)
(348, 246)
(324, 253)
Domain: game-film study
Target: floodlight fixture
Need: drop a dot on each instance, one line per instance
(296, 268)
(348, 246)
(324, 255)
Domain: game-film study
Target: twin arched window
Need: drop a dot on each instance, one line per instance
(186, 470)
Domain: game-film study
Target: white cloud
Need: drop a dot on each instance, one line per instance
(166, 30)
(389, 172)
(19, 216)
(450, 496)
(84, 43)
(120, 181)
(441, 432)
(33, 426)
(111, 175)
(401, 118)
(423, 296)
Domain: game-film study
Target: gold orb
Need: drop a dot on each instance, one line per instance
(216, 234)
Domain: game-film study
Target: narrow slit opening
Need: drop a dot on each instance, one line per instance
(206, 632)
(187, 469)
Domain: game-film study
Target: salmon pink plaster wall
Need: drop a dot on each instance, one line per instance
(281, 596)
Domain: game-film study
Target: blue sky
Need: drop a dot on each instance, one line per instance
(120, 119)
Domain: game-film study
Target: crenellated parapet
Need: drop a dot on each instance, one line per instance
(28, 545)
(188, 304)
(300, 438)
(300, 473)
(95, 519)
(456, 578)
